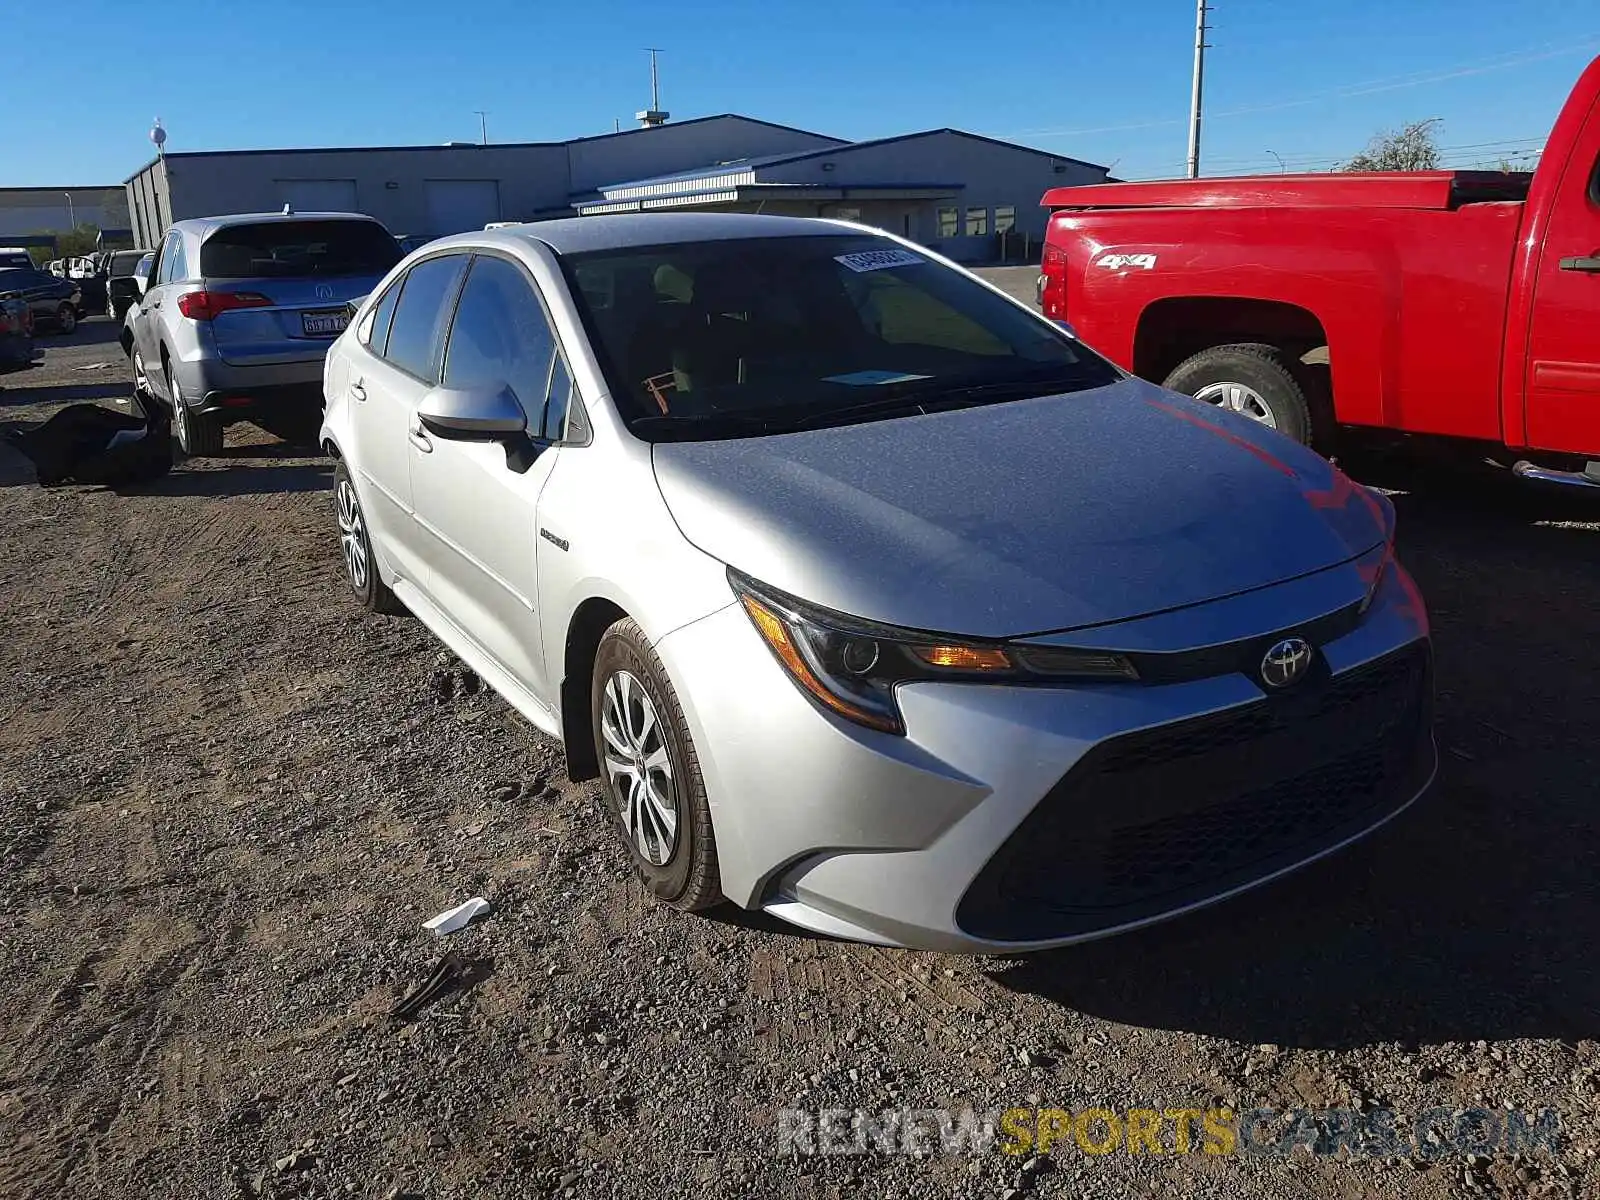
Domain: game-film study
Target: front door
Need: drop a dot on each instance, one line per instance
(147, 322)
(476, 504)
(1563, 361)
(403, 346)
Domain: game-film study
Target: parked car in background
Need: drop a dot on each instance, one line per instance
(15, 256)
(873, 598)
(239, 313)
(412, 241)
(1461, 304)
(119, 270)
(55, 302)
(16, 334)
(85, 272)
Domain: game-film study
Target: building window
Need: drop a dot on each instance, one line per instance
(1005, 218)
(949, 222)
(977, 222)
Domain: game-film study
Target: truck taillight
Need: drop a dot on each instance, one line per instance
(1053, 282)
(204, 306)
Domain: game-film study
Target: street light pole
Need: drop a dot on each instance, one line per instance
(1200, 10)
(72, 212)
(1281, 168)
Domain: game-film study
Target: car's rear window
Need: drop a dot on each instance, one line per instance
(125, 263)
(280, 249)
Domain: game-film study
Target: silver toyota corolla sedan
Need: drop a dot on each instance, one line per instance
(873, 599)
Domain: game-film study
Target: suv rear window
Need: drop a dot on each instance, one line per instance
(280, 249)
(125, 262)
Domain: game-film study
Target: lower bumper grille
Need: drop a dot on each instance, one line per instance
(1167, 817)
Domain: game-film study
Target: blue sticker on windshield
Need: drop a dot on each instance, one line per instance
(872, 378)
(877, 260)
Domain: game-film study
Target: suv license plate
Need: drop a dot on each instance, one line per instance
(323, 324)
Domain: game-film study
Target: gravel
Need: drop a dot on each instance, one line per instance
(228, 801)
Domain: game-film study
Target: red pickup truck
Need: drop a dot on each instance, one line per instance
(1456, 303)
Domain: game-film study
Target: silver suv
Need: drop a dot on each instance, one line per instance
(239, 312)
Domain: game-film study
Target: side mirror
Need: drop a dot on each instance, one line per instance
(479, 414)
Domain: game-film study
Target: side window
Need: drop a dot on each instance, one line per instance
(558, 401)
(501, 335)
(165, 256)
(179, 262)
(374, 331)
(421, 315)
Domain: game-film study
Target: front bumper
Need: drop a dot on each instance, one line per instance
(1018, 818)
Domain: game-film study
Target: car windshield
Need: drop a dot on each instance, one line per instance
(741, 337)
(124, 263)
(282, 249)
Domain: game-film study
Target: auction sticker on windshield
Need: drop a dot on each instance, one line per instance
(877, 260)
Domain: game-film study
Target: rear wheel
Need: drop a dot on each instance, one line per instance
(67, 318)
(650, 771)
(1252, 379)
(198, 434)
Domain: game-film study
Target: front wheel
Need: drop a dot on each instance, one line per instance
(1252, 379)
(67, 318)
(650, 771)
(360, 565)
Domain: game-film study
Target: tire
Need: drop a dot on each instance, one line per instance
(678, 866)
(355, 543)
(67, 318)
(1253, 379)
(199, 434)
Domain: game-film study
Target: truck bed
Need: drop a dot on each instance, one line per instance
(1398, 189)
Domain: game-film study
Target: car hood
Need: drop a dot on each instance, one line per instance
(1034, 516)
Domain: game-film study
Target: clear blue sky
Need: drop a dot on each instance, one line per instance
(1103, 80)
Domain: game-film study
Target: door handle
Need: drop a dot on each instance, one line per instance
(420, 439)
(1590, 264)
(357, 391)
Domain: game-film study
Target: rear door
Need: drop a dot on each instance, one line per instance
(159, 298)
(289, 280)
(475, 508)
(1563, 360)
(397, 364)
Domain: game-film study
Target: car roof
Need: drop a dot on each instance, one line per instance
(619, 231)
(205, 226)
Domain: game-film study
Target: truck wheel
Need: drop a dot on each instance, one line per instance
(1252, 379)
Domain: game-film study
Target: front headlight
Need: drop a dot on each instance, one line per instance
(851, 667)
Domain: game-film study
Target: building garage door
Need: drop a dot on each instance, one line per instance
(318, 195)
(457, 205)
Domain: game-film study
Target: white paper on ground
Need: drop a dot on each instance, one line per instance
(458, 917)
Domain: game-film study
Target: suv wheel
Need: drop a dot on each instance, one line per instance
(650, 772)
(197, 433)
(67, 318)
(360, 567)
(1252, 379)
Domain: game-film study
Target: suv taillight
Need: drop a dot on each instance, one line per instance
(1053, 282)
(203, 306)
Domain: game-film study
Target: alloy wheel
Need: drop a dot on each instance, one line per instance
(67, 318)
(180, 413)
(1236, 397)
(352, 536)
(639, 768)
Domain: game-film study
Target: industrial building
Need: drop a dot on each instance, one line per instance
(28, 215)
(973, 198)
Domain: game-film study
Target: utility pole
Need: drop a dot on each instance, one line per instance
(483, 125)
(1279, 157)
(1201, 8)
(653, 116)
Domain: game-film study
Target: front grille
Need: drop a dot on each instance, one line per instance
(1162, 818)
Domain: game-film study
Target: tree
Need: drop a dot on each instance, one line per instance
(74, 243)
(1411, 149)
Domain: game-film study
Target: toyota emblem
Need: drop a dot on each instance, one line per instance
(1285, 662)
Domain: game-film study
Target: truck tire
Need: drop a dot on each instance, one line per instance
(1249, 378)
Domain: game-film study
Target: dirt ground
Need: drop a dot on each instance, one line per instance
(228, 800)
